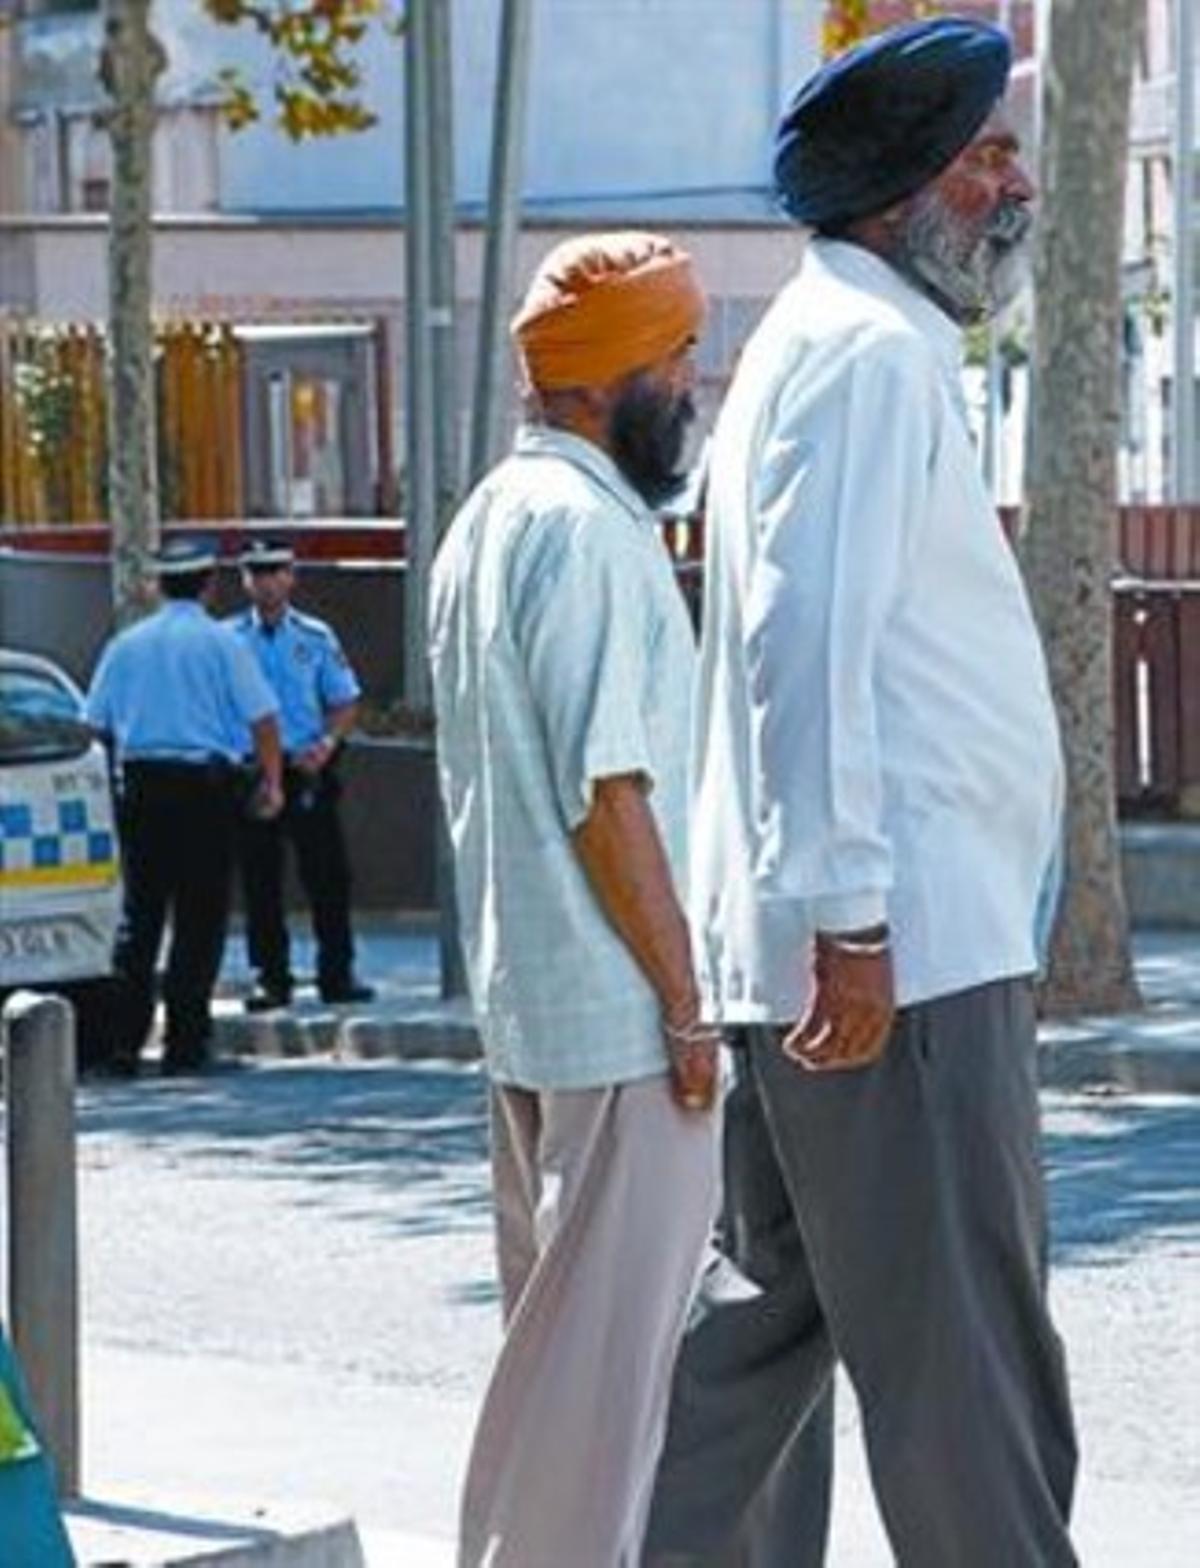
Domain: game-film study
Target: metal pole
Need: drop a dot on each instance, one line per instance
(43, 1238)
(1183, 435)
(445, 407)
(504, 204)
(992, 415)
(420, 490)
(443, 288)
(993, 411)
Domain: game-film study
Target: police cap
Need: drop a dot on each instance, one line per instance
(185, 557)
(266, 555)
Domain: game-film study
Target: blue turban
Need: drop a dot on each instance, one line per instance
(878, 122)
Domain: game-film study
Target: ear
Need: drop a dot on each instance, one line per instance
(596, 402)
(892, 218)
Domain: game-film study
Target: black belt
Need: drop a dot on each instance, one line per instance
(210, 769)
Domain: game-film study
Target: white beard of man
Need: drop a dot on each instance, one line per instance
(971, 274)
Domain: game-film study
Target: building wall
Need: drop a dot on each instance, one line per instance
(632, 103)
(269, 270)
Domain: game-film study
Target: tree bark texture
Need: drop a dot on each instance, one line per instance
(1072, 479)
(130, 65)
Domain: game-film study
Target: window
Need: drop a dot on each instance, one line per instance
(94, 194)
(39, 718)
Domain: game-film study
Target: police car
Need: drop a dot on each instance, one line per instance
(60, 892)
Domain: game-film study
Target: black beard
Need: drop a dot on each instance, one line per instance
(647, 430)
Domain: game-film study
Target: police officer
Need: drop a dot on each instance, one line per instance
(318, 700)
(175, 695)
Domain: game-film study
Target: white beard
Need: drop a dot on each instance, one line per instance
(971, 276)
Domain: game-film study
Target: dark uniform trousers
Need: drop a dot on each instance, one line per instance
(311, 824)
(895, 1220)
(177, 823)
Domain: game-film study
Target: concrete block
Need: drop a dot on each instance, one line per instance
(191, 1534)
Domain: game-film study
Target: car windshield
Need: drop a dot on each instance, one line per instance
(39, 718)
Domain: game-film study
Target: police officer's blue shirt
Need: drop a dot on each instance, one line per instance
(178, 686)
(303, 661)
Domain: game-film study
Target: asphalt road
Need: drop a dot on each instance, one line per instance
(289, 1292)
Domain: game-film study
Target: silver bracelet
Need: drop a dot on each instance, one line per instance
(859, 949)
(693, 1034)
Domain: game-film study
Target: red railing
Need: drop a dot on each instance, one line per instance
(1156, 659)
(1159, 543)
(1156, 608)
(1156, 677)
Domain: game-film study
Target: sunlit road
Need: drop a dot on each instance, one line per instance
(289, 1293)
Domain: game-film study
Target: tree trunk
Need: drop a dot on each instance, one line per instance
(1072, 480)
(131, 62)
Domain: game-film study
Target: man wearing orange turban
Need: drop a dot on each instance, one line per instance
(562, 662)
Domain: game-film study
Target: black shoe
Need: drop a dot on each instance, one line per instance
(351, 990)
(185, 1064)
(119, 1068)
(268, 998)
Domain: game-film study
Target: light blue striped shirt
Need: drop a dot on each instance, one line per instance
(562, 654)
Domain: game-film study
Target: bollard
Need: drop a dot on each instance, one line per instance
(43, 1249)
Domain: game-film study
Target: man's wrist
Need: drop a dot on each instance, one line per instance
(863, 942)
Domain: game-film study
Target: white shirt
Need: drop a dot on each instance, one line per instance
(875, 737)
(562, 654)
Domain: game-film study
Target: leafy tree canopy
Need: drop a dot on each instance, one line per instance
(318, 83)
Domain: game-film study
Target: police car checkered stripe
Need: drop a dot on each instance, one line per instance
(53, 833)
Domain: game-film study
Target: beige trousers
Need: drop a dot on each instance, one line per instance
(604, 1201)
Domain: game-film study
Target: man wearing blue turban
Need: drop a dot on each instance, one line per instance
(877, 796)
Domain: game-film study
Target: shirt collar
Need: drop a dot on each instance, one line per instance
(260, 625)
(184, 607)
(862, 268)
(548, 441)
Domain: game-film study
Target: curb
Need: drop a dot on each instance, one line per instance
(1156, 1052)
(167, 1535)
(445, 1031)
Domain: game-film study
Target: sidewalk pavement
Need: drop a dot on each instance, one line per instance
(1154, 1052)
(1146, 1524)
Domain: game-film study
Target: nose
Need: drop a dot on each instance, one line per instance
(1019, 185)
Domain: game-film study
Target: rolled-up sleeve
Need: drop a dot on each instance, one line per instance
(841, 490)
(584, 631)
(338, 683)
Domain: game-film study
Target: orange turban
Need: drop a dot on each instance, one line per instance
(604, 305)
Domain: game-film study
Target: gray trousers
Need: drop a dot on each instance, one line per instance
(605, 1199)
(907, 1211)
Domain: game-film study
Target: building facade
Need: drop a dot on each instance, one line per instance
(650, 112)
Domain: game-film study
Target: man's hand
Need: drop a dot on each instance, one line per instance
(268, 800)
(851, 1015)
(693, 1056)
(623, 858)
(315, 757)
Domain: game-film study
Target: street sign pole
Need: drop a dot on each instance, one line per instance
(504, 206)
(1183, 432)
(443, 289)
(420, 481)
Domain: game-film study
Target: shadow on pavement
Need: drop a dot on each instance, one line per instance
(394, 1127)
(1123, 1173)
